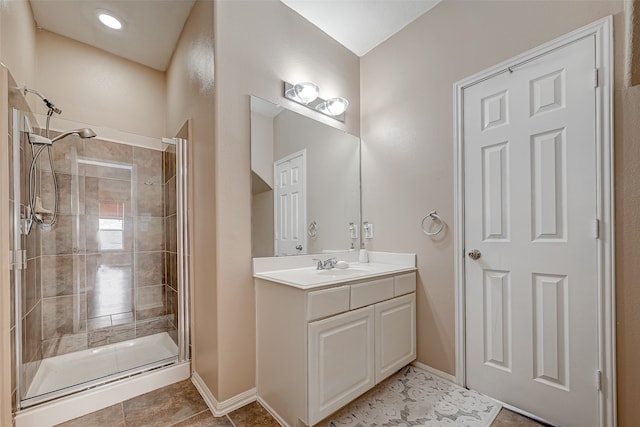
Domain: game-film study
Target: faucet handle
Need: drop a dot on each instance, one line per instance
(320, 265)
(332, 262)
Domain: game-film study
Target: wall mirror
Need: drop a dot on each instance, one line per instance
(305, 180)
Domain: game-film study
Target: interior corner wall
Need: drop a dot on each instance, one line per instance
(190, 79)
(408, 153)
(6, 331)
(258, 45)
(18, 42)
(98, 88)
(633, 62)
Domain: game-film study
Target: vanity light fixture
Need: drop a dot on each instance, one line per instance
(109, 20)
(306, 93)
(333, 106)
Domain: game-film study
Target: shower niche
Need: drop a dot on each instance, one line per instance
(99, 231)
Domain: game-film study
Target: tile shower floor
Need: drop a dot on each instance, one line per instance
(180, 405)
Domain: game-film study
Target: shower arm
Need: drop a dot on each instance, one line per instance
(52, 108)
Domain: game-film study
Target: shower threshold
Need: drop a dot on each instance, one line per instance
(87, 368)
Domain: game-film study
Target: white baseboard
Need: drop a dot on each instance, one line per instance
(273, 413)
(434, 371)
(220, 409)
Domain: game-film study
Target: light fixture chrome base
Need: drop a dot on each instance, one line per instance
(289, 93)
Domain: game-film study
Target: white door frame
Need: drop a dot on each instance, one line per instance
(603, 31)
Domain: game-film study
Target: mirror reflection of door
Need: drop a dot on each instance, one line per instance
(290, 204)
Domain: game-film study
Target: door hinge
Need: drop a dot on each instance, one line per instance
(596, 228)
(598, 380)
(596, 77)
(18, 260)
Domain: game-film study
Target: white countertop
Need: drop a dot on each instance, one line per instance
(310, 277)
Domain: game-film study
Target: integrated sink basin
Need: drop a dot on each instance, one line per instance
(311, 277)
(342, 272)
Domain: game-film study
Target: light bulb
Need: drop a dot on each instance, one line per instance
(306, 92)
(336, 106)
(110, 21)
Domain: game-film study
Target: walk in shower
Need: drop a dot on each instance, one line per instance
(99, 279)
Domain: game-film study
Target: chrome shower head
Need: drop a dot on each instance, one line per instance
(86, 133)
(83, 133)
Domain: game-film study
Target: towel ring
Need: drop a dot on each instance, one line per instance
(433, 216)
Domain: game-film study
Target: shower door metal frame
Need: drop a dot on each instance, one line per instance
(18, 261)
(182, 204)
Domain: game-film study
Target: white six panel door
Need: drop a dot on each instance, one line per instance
(530, 207)
(290, 205)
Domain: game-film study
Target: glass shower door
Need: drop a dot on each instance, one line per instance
(102, 292)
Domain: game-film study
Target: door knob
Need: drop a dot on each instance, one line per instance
(475, 254)
(299, 247)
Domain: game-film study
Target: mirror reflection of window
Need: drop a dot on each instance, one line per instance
(111, 225)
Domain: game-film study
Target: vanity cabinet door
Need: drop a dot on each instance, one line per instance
(341, 361)
(395, 325)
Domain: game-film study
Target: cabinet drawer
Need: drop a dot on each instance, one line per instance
(371, 292)
(327, 302)
(404, 284)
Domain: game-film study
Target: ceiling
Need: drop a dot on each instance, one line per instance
(150, 34)
(360, 25)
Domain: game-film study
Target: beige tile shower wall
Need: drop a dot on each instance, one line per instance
(101, 287)
(407, 129)
(190, 97)
(31, 301)
(170, 238)
(258, 44)
(95, 87)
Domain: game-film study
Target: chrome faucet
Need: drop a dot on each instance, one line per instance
(326, 265)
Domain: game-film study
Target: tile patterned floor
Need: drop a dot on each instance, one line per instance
(180, 405)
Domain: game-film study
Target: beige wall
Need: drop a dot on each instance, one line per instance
(258, 44)
(262, 223)
(261, 184)
(95, 87)
(5, 235)
(18, 41)
(262, 147)
(190, 96)
(407, 132)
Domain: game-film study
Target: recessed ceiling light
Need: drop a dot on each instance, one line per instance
(110, 20)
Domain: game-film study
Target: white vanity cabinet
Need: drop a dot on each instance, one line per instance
(394, 350)
(341, 360)
(319, 349)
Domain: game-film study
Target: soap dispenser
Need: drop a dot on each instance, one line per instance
(364, 256)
